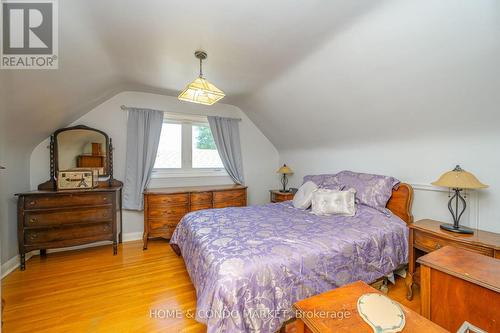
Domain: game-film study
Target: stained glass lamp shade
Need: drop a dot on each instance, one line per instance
(200, 90)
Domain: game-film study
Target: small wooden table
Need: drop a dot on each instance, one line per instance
(458, 285)
(279, 196)
(343, 303)
(426, 236)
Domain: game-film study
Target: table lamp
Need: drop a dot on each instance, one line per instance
(284, 170)
(458, 180)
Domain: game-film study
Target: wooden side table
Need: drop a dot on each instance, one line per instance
(426, 236)
(343, 303)
(278, 196)
(459, 285)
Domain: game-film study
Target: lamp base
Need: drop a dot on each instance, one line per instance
(458, 230)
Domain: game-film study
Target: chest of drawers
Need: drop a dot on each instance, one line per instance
(165, 207)
(56, 219)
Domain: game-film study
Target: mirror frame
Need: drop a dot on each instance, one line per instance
(55, 154)
(51, 185)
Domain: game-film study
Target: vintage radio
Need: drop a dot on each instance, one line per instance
(77, 179)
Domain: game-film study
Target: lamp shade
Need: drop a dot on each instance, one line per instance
(285, 170)
(202, 92)
(459, 178)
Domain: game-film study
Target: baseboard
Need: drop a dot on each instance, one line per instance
(13, 263)
(132, 236)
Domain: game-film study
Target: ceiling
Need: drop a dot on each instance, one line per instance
(306, 72)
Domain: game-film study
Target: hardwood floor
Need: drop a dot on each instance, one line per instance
(90, 290)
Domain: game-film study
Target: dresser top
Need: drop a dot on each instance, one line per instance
(345, 300)
(466, 265)
(79, 191)
(480, 237)
(186, 189)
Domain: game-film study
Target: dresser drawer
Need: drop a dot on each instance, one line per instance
(167, 212)
(230, 203)
(429, 243)
(155, 224)
(281, 197)
(229, 196)
(42, 236)
(67, 200)
(201, 206)
(201, 198)
(165, 232)
(168, 199)
(74, 216)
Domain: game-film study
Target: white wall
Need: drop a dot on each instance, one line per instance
(260, 158)
(417, 162)
(14, 179)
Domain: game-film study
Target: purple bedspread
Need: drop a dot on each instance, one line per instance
(250, 264)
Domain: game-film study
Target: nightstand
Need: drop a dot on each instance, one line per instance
(278, 196)
(426, 236)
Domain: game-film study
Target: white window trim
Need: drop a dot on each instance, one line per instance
(186, 170)
(187, 173)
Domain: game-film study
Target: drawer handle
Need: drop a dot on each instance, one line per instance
(105, 199)
(32, 203)
(33, 236)
(32, 220)
(437, 246)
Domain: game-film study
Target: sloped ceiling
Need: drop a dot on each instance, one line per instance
(306, 72)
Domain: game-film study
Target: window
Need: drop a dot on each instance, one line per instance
(170, 147)
(187, 148)
(204, 152)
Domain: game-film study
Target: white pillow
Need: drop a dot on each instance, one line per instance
(327, 202)
(302, 199)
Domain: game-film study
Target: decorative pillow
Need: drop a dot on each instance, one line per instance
(302, 199)
(321, 180)
(371, 190)
(328, 202)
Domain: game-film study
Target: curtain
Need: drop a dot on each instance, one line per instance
(226, 135)
(143, 136)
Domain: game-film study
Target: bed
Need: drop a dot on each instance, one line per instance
(250, 264)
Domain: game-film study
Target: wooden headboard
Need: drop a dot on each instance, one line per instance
(400, 202)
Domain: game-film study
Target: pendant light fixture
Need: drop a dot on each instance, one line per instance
(200, 90)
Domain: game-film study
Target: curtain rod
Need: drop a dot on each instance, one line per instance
(126, 108)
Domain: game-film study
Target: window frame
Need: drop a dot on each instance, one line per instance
(186, 170)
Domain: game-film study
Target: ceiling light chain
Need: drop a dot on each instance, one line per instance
(201, 69)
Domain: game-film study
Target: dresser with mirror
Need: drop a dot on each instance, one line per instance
(83, 212)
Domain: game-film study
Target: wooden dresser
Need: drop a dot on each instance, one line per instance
(165, 207)
(458, 285)
(426, 236)
(55, 219)
(336, 311)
